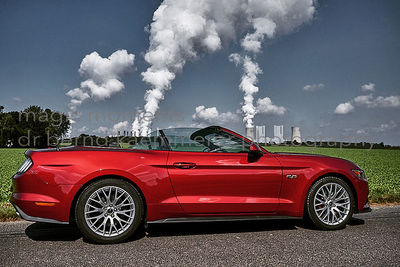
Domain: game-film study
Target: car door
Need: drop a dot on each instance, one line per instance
(225, 183)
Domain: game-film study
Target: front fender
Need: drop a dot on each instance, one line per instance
(294, 191)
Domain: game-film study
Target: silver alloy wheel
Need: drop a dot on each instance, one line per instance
(109, 211)
(332, 203)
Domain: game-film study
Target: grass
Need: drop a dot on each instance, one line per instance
(125, 145)
(7, 212)
(10, 160)
(382, 167)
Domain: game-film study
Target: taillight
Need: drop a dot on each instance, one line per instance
(25, 166)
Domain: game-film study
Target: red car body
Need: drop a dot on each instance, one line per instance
(220, 184)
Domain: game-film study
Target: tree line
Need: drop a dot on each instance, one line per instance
(32, 127)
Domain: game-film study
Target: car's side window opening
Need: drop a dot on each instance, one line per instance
(209, 140)
(184, 143)
(224, 142)
(150, 143)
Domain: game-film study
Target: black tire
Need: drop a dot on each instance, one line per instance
(136, 222)
(311, 214)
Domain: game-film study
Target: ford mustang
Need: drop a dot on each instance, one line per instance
(183, 174)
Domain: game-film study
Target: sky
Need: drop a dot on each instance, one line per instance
(336, 76)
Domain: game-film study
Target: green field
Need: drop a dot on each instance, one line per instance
(382, 167)
(10, 160)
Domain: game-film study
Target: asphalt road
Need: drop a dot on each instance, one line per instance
(370, 239)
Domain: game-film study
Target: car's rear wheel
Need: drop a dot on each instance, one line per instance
(330, 203)
(109, 211)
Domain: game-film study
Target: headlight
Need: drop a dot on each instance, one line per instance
(25, 166)
(360, 174)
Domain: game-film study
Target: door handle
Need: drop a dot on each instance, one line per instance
(184, 165)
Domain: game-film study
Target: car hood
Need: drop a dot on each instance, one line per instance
(299, 154)
(328, 160)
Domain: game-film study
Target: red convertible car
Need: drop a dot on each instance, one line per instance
(184, 174)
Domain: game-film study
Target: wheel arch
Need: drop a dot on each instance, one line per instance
(340, 176)
(95, 179)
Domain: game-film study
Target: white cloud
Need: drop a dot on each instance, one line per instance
(83, 129)
(324, 124)
(344, 108)
(102, 130)
(384, 127)
(77, 93)
(211, 115)
(370, 101)
(368, 87)
(361, 131)
(104, 90)
(313, 87)
(204, 116)
(265, 106)
(388, 102)
(77, 97)
(17, 99)
(103, 77)
(100, 69)
(104, 74)
(364, 100)
(120, 126)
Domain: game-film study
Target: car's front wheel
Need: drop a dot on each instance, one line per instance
(330, 203)
(109, 211)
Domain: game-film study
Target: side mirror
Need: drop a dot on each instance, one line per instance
(254, 155)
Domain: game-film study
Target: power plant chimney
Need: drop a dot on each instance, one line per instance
(296, 137)
(250, 133)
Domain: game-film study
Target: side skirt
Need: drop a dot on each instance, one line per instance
(222, 219)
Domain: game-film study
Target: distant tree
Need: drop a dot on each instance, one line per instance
(8, 127)
(32, 127)
(295, 142)
(89, 140)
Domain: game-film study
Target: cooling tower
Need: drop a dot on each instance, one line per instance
(260, 134)
(278, 134)
(296, 137)
(250, 133)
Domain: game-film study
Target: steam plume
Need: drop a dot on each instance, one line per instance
(247, 85)
(268, 18)
(183, 29)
